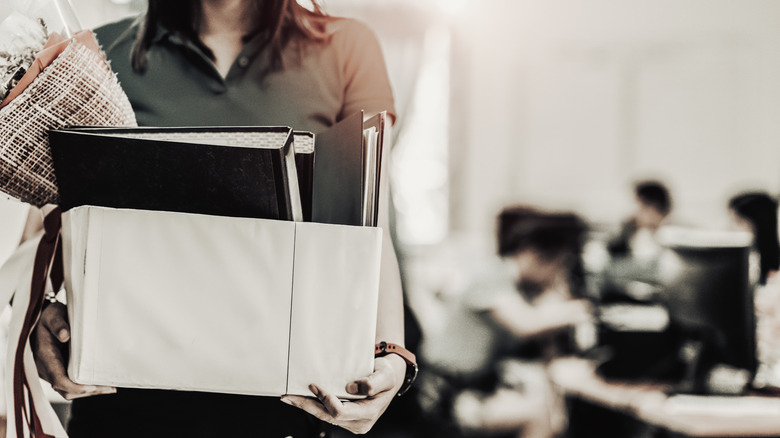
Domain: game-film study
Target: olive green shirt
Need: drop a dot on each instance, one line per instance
(319, 85)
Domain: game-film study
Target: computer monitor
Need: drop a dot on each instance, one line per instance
(709, 296)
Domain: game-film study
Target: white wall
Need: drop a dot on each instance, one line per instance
(91, 13)
(569, 101)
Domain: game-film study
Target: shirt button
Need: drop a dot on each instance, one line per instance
(243, 61)
(218, 88)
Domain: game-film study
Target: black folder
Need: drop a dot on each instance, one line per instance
(224, 171)
(304, 163)
(338, 173)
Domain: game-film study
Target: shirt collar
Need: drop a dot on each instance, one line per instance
(162, 33)
(252, 46)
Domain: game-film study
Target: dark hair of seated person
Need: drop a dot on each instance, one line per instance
(760, 210)
(650, 193)
(655, 194)
(553, 236)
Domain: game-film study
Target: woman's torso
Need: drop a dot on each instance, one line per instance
(181, 87)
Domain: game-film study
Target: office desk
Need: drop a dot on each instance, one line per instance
(646, 410)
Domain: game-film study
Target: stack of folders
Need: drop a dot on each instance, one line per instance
(256, 172)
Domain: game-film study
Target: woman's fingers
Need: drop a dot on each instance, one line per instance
(47, 348)
(332, 404)
(327, 407)
(70, 390)
(312, 406)
(356, 416)
(50, 335)
(54, 319)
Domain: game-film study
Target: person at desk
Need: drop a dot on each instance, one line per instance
(756, 213)
(634, 251)
(636, 237)
(508, 322)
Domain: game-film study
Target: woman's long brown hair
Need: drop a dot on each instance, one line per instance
(277, 20)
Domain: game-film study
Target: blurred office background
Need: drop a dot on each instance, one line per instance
(562, 104)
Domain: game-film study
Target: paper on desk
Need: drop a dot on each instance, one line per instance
(685, 404)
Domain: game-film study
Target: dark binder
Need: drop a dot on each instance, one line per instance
(304, 163)
(224, 171)
(338, 173)
(347, 165)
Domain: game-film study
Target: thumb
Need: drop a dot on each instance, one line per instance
(54, 318)
(379, 381)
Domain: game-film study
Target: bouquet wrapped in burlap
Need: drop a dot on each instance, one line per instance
(69, 83)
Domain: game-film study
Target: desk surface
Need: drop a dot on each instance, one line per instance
(689, 415)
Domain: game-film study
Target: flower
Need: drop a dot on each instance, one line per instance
(22, 37)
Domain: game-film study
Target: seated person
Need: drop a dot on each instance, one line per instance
(756, 212)
(634, 252)
(490, 360)
(636, 236)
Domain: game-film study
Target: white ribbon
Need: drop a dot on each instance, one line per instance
(15, 281)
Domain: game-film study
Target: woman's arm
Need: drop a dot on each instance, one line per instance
(390, 319)
(389, 371)
(33, 225)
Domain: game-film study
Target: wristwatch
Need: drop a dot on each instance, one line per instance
(385, 348)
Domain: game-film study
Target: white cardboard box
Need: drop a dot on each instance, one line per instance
(208, 303)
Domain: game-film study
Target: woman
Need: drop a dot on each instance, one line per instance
(757, 213)
(240, 62)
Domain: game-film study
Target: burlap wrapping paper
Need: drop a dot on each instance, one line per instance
(77, 88)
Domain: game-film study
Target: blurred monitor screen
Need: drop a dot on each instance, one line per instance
(709, 294)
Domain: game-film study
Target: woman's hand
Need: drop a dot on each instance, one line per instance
(50, 341)
(360, 415)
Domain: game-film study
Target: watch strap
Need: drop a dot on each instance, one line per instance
(385, 348)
